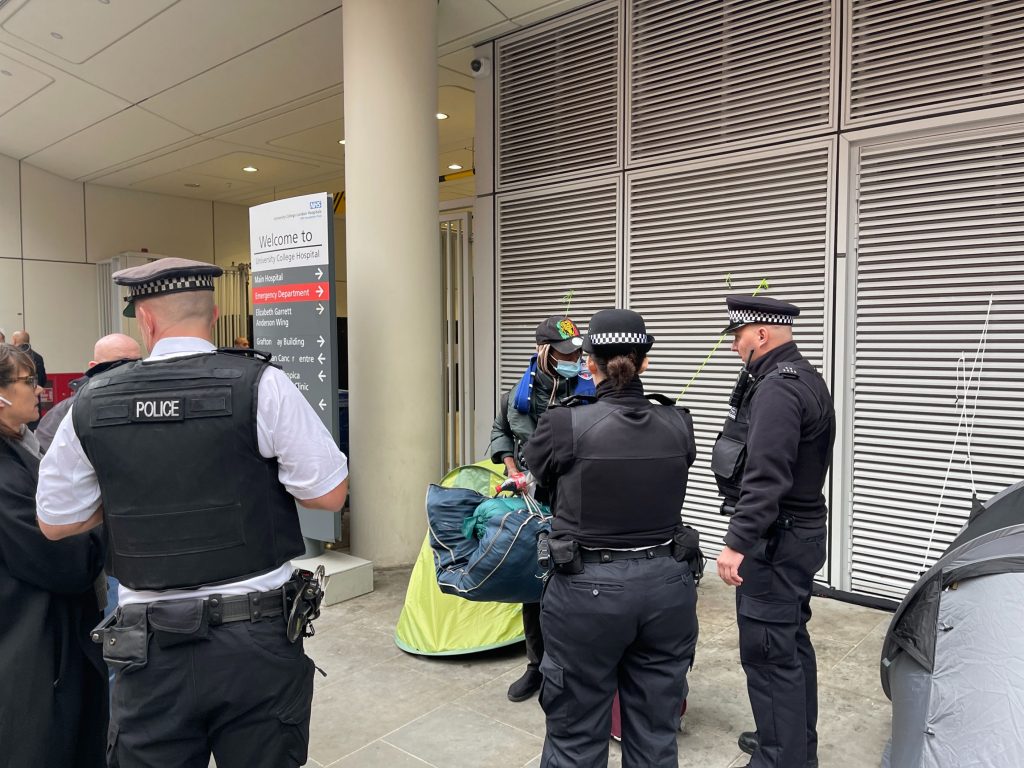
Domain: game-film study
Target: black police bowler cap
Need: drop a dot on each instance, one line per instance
(617, 328)
(561, 333)
(164, 276)
(758, 309)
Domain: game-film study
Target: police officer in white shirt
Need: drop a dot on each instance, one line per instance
(193, 460)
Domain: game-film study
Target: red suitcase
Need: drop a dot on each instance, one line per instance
(617, 718)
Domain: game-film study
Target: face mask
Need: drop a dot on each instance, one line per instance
(567, 369)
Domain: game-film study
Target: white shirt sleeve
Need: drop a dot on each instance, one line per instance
(288, 429)
(68, 491)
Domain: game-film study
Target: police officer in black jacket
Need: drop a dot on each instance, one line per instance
(619, 609)
(770, 463)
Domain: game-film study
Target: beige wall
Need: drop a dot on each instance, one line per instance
(53, 231)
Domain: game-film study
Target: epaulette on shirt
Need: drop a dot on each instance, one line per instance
(787, 371)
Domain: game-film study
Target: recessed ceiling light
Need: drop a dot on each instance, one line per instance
(442, 116)
(341, 141)
(454, 167)
(190, 186)
(250, 169)
(5, 73)
(56, 35)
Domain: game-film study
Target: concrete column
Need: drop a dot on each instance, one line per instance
(394, 273)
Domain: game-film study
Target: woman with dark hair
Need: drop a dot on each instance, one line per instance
(554, 373)
(53, 702)
(619, 608)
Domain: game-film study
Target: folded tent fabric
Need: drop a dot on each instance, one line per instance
(499, 563)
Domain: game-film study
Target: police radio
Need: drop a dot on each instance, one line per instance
(742, 383)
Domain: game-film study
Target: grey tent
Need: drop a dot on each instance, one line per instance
(953, 658)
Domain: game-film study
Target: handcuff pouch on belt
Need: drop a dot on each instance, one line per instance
(686, 549)
(125, 643)
(565, 556)
(302, 597)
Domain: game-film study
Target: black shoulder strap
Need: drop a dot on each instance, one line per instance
(257, 353)
(660, 399)
(573, 400)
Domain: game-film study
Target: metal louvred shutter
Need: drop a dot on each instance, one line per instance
(550, 241)
(764, 215)
(559, 96)
(917, 57)
(939, 230)
(738, 72)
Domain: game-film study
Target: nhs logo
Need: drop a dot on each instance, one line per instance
(315, 205)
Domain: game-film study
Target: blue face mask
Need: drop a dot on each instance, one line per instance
(567, 369)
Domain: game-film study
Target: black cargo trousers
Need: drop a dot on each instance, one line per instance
(773, 606)
(237, 690)
(627, 624)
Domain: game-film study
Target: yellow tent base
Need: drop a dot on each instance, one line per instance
(435, 624)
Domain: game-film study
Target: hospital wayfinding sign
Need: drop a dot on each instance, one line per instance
(292, 248)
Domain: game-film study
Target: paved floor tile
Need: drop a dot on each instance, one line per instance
(454, 735)
(382, 707)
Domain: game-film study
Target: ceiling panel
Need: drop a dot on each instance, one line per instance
(130, 133)
(18, 82)
(184, 155)
(59, 110)
(302, 62)
(457, 131)
(191, 37)
(458, 18)
(271, 170)
(74, 30)
(322, 140)
(188, 183)
(546, 11)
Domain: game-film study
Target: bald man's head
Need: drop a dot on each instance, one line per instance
(19, 337)
(116, 346)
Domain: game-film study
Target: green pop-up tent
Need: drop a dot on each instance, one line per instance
(435, 624)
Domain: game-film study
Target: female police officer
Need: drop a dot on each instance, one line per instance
(619, 609)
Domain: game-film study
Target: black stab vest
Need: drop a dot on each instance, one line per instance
(627, 482)
(729, 455)
(188, 500)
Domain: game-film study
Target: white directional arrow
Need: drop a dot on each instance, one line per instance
(322, 404)
(319, 273)
(321, 376)
(319, 309)
(321, 358)
(321, 341)
(319, 290)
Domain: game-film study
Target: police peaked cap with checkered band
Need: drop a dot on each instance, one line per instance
(164, 276)
(611, 328)
(744, 310)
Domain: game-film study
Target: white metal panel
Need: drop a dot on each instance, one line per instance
(703, 75)
(939, 230)
(551, 241)
(909, 58)
(558, 97)
(701, 231)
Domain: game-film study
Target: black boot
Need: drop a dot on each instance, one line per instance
(526, 686)
(748, 742)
